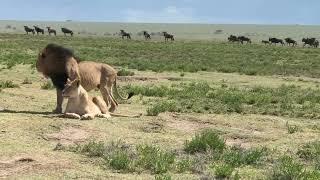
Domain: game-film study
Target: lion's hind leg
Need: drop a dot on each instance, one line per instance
(71, 116)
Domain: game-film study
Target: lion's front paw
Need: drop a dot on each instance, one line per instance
(107, 116)
(87, 117)
(57, 110)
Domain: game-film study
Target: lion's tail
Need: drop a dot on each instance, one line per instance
(101, 104)
(118, 94)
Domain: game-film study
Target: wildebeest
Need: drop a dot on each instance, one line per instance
(276, 41)
(146, 35)
(290, 42)
(244, 39)
(233, 38)
(125, 34)
(311, 42)
(67, 31)
(27, 29)
(168, 36)
(265, 42)
(51, 31)
(38, 30)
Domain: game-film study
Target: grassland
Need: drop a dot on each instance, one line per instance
(210, 109)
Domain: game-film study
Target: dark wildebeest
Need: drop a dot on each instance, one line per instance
(233, 38)
(265, 42)
(244, 39)
(147, 36)
(275, 41)
(311, 42)
(290, 42)
(38, 30)
(168, 36)
(27, 29)
(51, 31)
(125, 34)
(67, 31)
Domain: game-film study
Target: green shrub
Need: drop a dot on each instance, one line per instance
(160, 107)
(223, 171)
(163, 177)
(237, 156)
(183, 165)
(310, 151)
(47, 85)
(154, 159)
(119, 160)
(8, 84)
(91, 149)
(287, 168)
(204, 141)
(292, 128)
(124, 72)
(27, 81)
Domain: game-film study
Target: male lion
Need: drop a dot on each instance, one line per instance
(59, 64)
(82, 106)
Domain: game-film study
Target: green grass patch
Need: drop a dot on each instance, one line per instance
(47, 86)
(207, 140)
(290, 101)
(310, 151)
(8, 84)
(124, 72)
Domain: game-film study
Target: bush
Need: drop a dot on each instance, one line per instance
(310, 151)
(223, 171)
(160, 107)
(206, 140)
(292, 128)
(47, 85)
(8, 84)
(184, 165)
(91, 149)
(119, 160)
(287, 168)
(124, 72)
(27, 81)
(237, 156)
(154, 159)
(163, 177)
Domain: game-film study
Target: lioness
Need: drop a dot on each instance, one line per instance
(82, 106)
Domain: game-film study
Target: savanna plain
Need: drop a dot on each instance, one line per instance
(211, 110)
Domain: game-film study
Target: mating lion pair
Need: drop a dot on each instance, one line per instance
(73, 79)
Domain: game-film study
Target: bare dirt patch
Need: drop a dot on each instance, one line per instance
(24, 164)
(68, 136)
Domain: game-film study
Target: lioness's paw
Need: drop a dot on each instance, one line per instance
(107, 116)
(87, 117)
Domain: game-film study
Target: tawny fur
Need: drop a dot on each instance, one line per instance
(58, 63)
(82, 106)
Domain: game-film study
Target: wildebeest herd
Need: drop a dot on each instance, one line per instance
(312, 42)
(123, 34)
(38, 30)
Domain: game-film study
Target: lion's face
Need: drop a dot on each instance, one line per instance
(41, 62)
(71, 89)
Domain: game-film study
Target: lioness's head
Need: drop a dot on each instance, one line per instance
(71, 89)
